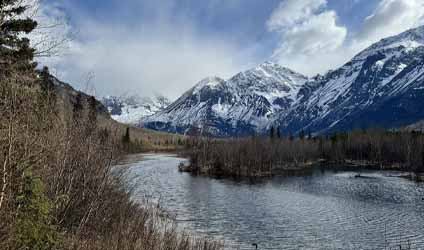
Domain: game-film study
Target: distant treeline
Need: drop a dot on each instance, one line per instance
(266, 156)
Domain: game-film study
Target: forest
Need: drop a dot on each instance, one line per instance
(267, 156)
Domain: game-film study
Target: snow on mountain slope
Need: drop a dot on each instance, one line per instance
(385, 70)
(383, 86)
(131, 109)
(241, 105)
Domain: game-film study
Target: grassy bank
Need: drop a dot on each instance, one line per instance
(141, 140)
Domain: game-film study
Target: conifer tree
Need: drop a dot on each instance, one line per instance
(126, 138)
(302, 134)
(279, 133)
(46, 81)
(15, 50)
(272, 132)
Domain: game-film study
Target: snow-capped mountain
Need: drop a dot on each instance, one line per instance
(241, 105)
(383, 86)
(131, 109)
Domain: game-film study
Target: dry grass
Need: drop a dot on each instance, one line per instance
(58, 190)
(147, 140)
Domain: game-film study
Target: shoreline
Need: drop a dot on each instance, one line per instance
(300, 169)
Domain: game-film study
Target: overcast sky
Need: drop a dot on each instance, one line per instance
(166, 46)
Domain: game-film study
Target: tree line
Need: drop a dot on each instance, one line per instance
(267, 156)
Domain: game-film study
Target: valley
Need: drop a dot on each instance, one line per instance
(95, 156)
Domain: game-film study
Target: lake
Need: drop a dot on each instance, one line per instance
(325, 210)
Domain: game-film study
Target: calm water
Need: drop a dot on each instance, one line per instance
(323, 211)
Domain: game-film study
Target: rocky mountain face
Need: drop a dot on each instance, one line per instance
(383, 86)
(242, 105)
(132, 109)
(68, 98)
(380, 87)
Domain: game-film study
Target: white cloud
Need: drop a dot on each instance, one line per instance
(52, 33)
(391, 17)
(293, 12)
(312, 42)
(157, 60)
(166, 56)
(308, 32)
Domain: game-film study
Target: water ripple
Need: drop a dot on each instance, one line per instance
(322, 211)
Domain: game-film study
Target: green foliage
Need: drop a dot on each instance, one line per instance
(34, 229)
(14, 48)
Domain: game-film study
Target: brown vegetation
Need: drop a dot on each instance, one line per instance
(58, 190)
(259, 156)
(146, 140)
(58, 186)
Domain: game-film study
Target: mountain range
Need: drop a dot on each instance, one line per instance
(131, 109)
(382, 86)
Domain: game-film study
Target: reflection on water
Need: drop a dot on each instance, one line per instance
(321, 211)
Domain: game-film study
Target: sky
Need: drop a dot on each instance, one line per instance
(150, 47)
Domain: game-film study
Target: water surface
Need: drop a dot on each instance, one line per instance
(326, 210)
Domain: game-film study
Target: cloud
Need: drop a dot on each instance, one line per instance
(158, 47)
(308, 31)
(52, 33)
(311, 40)
(391, 17)
(131, 62)
(167, 55)
(293, 12)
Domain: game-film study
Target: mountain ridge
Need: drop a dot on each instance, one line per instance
(129, 109)
(367, 91)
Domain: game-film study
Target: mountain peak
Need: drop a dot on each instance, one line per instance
(273, 68)
(211, 82)
(129, 109)
(381, 86)
(269, 64)
(410, 39)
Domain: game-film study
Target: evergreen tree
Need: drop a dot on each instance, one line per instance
(126, 138)
(272, 132)
(421, 168)
(77, 107)
(302, 134)
(92, 110)
(34, 224)
(46, 81)
(279, 133)
(309, 135)
(15, 50)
